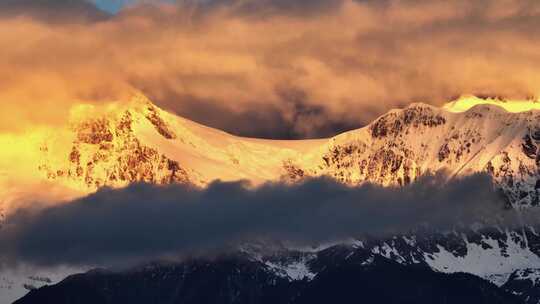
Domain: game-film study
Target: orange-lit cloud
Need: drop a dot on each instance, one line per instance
(302, 67)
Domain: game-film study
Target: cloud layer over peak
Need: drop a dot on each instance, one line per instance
(304, 68)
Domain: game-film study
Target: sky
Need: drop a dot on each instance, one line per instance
(111, 5)
(265, 68)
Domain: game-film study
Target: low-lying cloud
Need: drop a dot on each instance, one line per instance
(306, 68)
(145, 222)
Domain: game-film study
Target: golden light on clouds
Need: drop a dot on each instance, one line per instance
(301, 64)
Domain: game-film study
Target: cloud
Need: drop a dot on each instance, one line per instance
(265, 8)
(307, 68)
(147, 222)
(57, 11)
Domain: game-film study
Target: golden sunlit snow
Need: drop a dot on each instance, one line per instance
(465, 103)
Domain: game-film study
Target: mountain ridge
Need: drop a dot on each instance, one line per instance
(137, 141)
(341, 273)
(122, 143)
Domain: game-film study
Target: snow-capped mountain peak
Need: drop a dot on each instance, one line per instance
(136, 141)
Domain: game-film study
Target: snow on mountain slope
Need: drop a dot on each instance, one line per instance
(122, 143)
(131, 142)
(466, 102)
(15, 283)
(138, 142)
(403, 144)
(145, 143)
(491, 253)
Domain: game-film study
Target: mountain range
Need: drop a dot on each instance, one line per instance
(136, 141)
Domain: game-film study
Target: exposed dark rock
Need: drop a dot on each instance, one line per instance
(115, 155)
(444, 151)
(293, 173)
(393, 124)
(525, 282)
(528, 147)
(94, 131)
(160, 125)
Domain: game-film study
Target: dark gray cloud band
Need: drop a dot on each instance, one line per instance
(147, 222)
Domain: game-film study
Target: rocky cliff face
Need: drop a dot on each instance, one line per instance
(106, 152)
(404, 144)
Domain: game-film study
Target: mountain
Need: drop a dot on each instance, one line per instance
(136, 141)
(139, 142)
(338, 274)
(525, 283)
